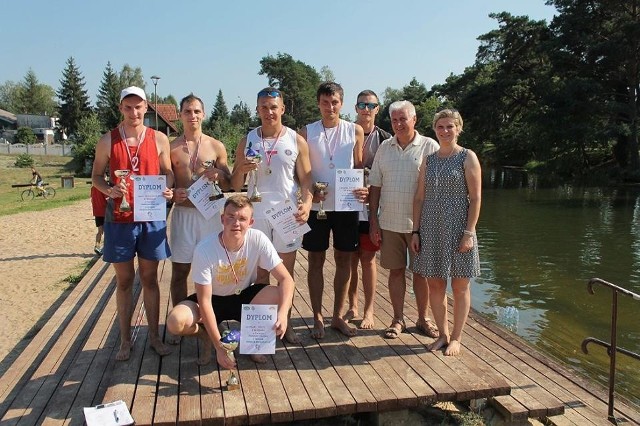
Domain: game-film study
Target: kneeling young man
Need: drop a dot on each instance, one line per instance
(224, 269)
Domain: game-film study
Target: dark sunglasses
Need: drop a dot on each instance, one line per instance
(269, 93)
(367, 105)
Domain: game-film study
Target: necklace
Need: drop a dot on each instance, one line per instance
(235, 276)
(331, 142)
(269, 153)
(135, 159)
(441, 168)
(193, 160)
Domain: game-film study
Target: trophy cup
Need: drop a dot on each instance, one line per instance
(216, 192)
(255, 158)
(230, 341)
(122, 174)
(320, 187)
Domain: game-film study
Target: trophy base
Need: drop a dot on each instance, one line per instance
(125, 209)
(321, 216)
(216, 197)
(256, 199)
(232, 387)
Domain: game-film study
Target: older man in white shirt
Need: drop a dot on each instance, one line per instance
(393, 180)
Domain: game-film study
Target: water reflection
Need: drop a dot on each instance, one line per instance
(539, 247)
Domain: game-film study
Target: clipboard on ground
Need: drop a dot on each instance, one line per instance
(112, 414)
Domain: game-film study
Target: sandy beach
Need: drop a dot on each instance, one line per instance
(38, 250)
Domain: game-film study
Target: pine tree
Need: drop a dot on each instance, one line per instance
(108, 102)
(220, 111)
(74, 101)
(34, 97)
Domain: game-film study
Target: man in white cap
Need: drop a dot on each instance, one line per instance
(141, 151)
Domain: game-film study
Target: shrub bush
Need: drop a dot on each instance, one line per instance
(24, 160)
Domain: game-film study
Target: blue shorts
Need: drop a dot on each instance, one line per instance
(122, 241)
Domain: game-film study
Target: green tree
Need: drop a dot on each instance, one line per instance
(326, 74)
(74, 100)
(34, 97)
(240, 115)
(85, 139)
(131, 77)
(298, 83)
(220, 111)
(10, 96)
(107, 105)
(25, 135)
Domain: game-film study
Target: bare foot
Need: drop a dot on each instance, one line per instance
(367, 322)
(172, 340)
(291, 336)
(342, 326)
(160, 348)
(351, 314)
(258, 359)
(318, 329)
(439, 344)
(124, 352)
(453, 348)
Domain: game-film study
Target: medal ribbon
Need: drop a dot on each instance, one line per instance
(334, 139)
(193, 160)
(134, 164)
(270, 152)
(235, 276)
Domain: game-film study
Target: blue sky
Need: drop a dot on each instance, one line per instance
(202, 46)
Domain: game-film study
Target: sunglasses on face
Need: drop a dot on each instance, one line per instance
(269, 93)
(367, 105)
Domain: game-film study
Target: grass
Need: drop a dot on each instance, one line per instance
(52, 168)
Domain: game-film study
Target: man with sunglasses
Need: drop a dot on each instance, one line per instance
(284, 174)
(367, 107)
(394, 179)
(193, 154)
(333, 144)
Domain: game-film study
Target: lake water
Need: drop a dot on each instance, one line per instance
(538, 249)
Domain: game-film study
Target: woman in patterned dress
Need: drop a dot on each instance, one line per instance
(446, 206)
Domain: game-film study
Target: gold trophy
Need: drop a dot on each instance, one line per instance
(123, 174)
(320, 187)
(230, 341)
(255, 158)
(216, 192)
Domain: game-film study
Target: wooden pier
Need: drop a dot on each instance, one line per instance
(70, 364)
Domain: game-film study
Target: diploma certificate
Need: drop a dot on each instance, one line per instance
(148, 202)
(346, 181)
(282, 219)
(199, 193)
(257, 335)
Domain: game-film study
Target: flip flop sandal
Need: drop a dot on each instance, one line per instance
(392, 331)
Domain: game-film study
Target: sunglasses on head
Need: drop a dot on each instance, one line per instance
(367, 105)
(269, 93)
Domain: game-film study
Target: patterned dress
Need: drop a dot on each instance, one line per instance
(443, 220)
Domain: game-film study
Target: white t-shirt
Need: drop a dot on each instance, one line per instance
(211, 266)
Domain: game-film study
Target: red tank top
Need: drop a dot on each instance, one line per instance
(147, 164)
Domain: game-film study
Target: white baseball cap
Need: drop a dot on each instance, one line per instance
(133, 90)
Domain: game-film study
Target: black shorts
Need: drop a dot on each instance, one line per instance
(230, 307)
(99, 221)
(344, 226)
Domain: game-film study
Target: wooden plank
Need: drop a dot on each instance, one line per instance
(211, 395)
(273, 389)
(301, 404)
(30, 403)
(510, 408)
(189, 412)
(83, 376)
(24, 365)
(255, 396)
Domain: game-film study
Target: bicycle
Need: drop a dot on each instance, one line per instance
(45, 192)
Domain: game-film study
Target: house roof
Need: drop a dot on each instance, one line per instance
(167, 112)
(8, 116)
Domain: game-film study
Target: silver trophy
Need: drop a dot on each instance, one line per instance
(255, 158)
(230, 341)
(216, 192)
(320, 187)
(123, 174)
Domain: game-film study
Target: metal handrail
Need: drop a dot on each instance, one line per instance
(612, 347)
